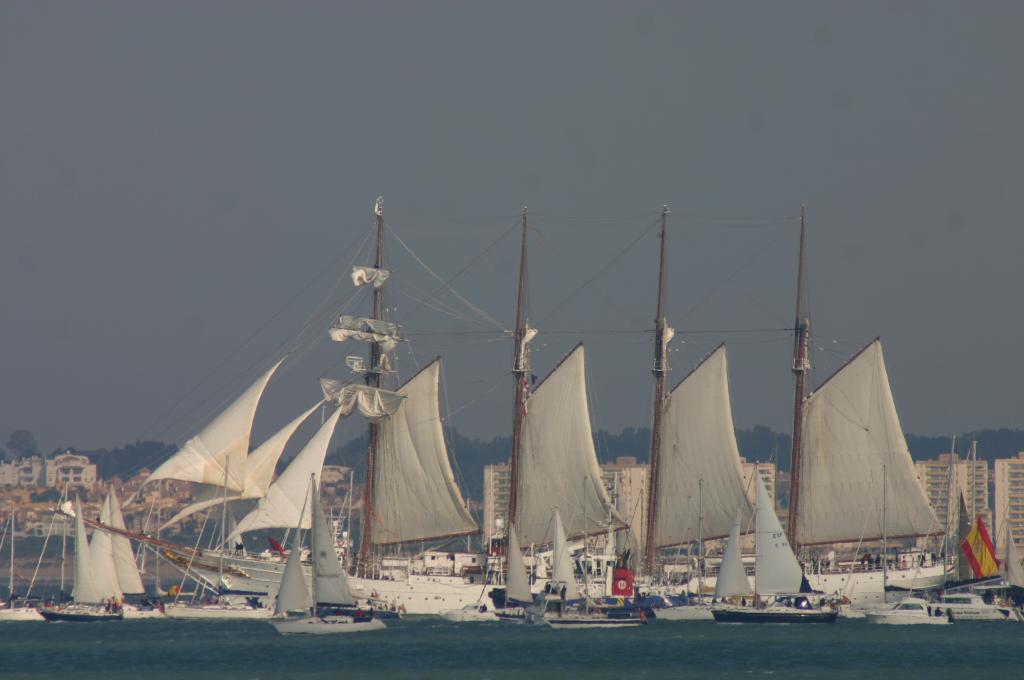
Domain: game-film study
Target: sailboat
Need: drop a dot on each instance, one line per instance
(96, 595)
(777, 575)
(329, 589)
(10, 611)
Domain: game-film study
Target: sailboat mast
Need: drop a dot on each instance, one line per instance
(11, 581)
(520, 368)
(313, 490)
(700, 539)
(373, 379)
(659, 370)
(801, 364)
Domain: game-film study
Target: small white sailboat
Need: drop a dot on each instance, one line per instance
(911, 611)
(321, 605)
(777, 574)
(10, 611)
(517, 589)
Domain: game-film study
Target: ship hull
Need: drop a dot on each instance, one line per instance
(750, 615)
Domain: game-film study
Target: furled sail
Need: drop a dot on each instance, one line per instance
(562, 571)
(732, 578)
(700, 470)
(517, 580)
(367, 330)
(88, 589)
(224, 443)
(331, 582)
(293, 593)
(373, 403)
(124, 558)
(415, 495)
(776, 570)
(284, 505)
(362, 276)
(558, 465)
(852, 438)
(259, 472)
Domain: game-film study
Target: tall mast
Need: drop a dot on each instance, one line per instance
(660, 368)
(520, 368)
(801, 364)
(373, 379)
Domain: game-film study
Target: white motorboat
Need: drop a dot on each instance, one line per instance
(911, 611)
(477, 612)
(972, 607)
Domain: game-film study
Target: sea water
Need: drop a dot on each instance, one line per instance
(428, 647)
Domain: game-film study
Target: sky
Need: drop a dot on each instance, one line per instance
(185, 186)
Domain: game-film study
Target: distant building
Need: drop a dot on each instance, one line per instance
(944, 484)
(335, 475)
(496, 484)
(767, 472)
(70, 469)
(22, 472)
(1009, 483)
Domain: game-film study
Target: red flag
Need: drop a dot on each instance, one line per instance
(622, 582)
(276, 547)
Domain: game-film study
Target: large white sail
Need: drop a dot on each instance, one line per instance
(128, 578)
(293, 592)
(101, 556)
(563, 571)
(852, 438)
(776, 569)
(283, 506)
(732, 578)
(330, 579)
(1013, 572)
(700, 470)
(415, 495)
(517, 581)
(88, 589)
(217, 454)
(557, 462)
(259, 472)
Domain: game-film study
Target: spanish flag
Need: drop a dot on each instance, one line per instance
(979, 552)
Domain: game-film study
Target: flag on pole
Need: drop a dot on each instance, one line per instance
(980, 553)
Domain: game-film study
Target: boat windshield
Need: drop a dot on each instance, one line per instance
(910, 606)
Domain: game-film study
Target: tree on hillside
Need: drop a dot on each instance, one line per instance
(22, 443)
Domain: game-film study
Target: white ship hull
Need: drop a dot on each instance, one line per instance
(20, 614)
(690, 612)
(214, 612)
(132, 613)
(326, 625)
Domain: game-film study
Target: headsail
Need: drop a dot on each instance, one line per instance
(224, 442)
(1013, 572)
(698, 449)
(283, 505)
(776, 569)
(293, 592)
(851, 430)
(517, 581)
(101, 556)
(331, 581)
(416, 496)
(563, 571)
(88, 589)
(124, 558)
(732, 578)
(558, 465)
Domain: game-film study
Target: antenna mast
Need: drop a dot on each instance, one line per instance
(661, 337)
(801, 364)
(373, 379)
(520, 368)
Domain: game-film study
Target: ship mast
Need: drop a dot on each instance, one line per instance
(520, 368)
(801, 364)
(659, 370)
(373, 379)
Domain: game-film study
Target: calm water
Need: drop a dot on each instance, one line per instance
(429, 648)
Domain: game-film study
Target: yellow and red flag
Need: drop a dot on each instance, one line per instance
(980, 553)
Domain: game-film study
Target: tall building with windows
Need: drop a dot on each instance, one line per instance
(496, 486)
(767, 472)
(1009, 497)
(945, 478)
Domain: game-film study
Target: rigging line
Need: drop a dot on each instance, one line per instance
(249, 338)
(445, 284)
(442, 308)
(731, 277)
(602, 270)
(494, 385)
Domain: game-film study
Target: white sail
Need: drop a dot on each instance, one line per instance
(563, 571)
(128, 578)
(259, 472)
(776, 569)
(557, 462)
(732, 578)
(331, 580)
(373, 403)
(368, 330)
(222, 443)
(415, 495)
(851, 432)
(101, 557)
(283, 505)
(88, 589)
(293, 592)
(1012, 569)
(700, 468)
(517, 581)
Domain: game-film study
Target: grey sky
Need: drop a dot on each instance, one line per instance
(171, 174)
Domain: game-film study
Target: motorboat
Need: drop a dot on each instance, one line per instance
(972, 607)
(911, 611)
(20, 613)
